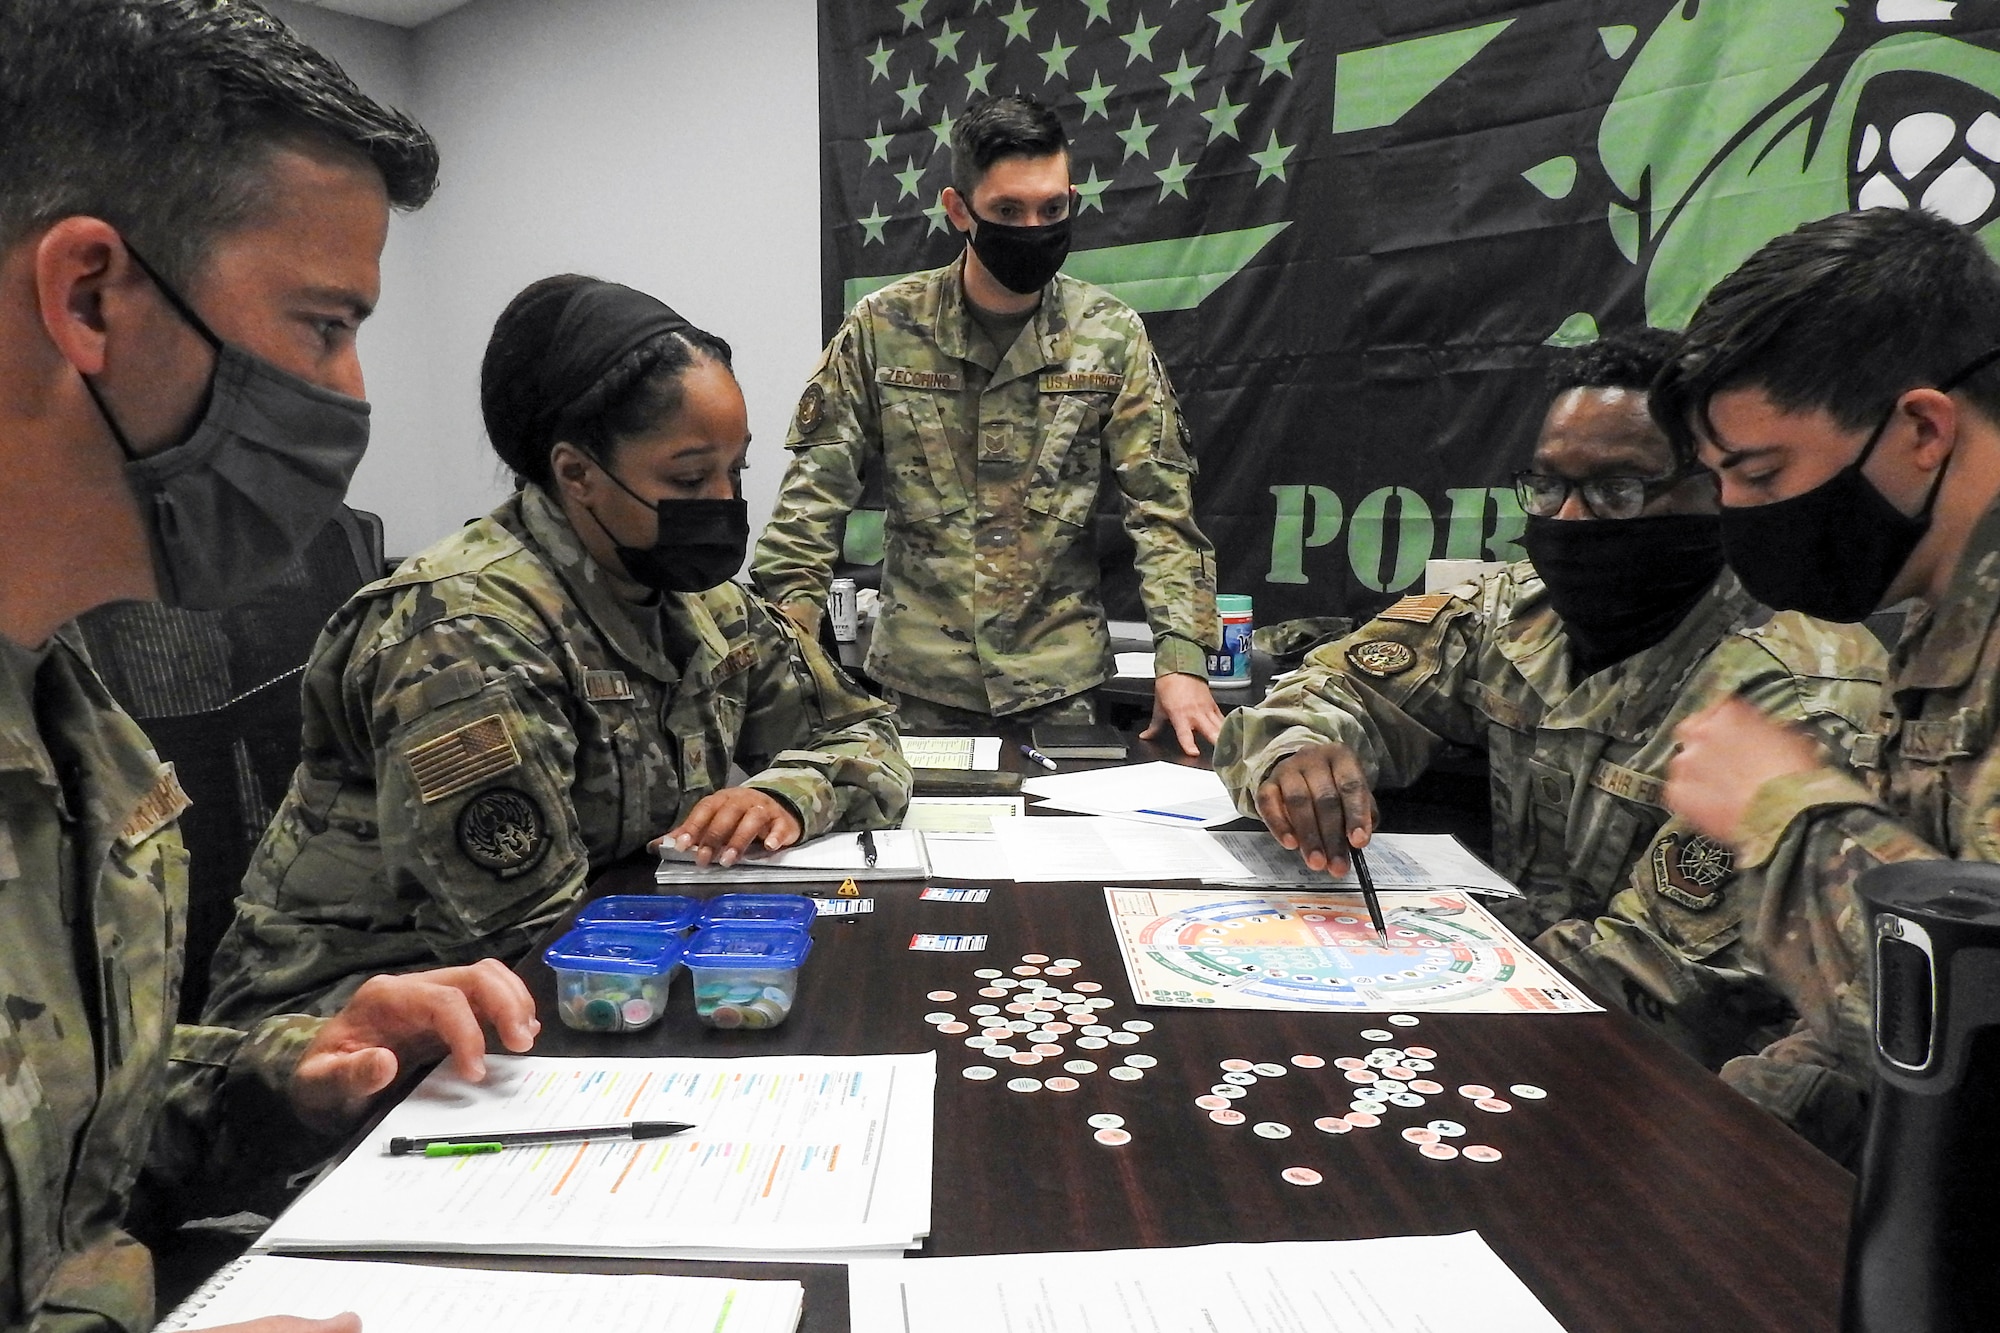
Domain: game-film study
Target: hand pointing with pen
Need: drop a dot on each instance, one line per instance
(1317, 802)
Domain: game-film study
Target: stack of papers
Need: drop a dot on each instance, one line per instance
(1172, 795)
(899, 854)
(1398, 1284)
(1395, 861)
(418, 1298)
(792, 1158)
(947, 815)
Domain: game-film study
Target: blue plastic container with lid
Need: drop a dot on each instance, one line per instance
(746, 976)
(663, 911)
(614, 978)
(760, 909)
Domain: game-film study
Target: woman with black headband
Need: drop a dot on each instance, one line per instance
(556, 685)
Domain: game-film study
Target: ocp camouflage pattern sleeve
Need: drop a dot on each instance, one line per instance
(814, 739)
(1392, 691)
(833, 432)
(1153, 465)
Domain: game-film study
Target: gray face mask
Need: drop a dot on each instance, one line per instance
(265, 468)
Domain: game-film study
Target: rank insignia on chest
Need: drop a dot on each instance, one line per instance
(1691, 869)
(606, 686)
(502, 830)
(1382, 657)
(812, 408)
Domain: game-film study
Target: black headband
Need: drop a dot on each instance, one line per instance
(602, 324)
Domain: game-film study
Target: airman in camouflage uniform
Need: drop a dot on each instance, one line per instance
(95, 1081)
(1577, 768)
(491, 724)
(991, 458)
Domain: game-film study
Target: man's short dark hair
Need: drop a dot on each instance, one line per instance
(1012, 125)
(158, 117)
(1843, 315)
(1627, 359)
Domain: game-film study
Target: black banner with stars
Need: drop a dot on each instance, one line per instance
(1356, 229)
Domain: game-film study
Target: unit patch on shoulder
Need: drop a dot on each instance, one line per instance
(458, 759)
(1691, 869)
(1419, 610)
(812, 408)
(503, 830)
(1382, 657)
(160, 807)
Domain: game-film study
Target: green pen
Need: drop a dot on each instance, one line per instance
(460, 1149)
(453, 1145)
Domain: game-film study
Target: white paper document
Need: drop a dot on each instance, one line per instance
(790, 1154)
(1395, 860)
(1133, 666)
(1398, 1284)
(1172, 795)
(1043, 851)
(899, 854)
(967, 752)
(423, 1298)
(960, 814)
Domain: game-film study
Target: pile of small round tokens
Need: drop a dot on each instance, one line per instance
(1027, 1019)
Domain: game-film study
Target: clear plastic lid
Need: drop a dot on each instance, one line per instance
(760, 909)
(614, 949)
(670, 911)
(761, 945)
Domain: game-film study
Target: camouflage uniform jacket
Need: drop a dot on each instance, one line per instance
(1577, 769)
(490, 724)
(991, 460)
(92, 872)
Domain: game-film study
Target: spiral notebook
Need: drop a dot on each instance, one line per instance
(423, 1298)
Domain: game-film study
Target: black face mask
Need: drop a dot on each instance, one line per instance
(1021, 259)
(700, 543)
(1622, 584)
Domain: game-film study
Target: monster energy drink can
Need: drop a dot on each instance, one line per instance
(843, 607)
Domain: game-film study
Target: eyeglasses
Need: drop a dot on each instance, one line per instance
(1544, 495)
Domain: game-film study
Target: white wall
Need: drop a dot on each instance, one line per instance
(668, 144)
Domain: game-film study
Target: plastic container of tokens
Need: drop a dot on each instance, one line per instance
(613, 978)
(648, 911)
(746, 976)
(760, 909)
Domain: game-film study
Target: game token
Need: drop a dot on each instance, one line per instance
(1239, 1078)
(1309, 1062)
(1124, 1038)
(1046, 1048)
(1493, 1104)
(1419, 1066)
(1450, 1129)
(980, 1042)
(1370, 1094)
(987, 972)
(1211, 1102)
(1106, 1120)
(1229, 1090)
(1405, 1099)
(1068, 998)
(1366, 1107)
(1271, 1129)
(1399, 1072)
(1126, 1074)
(1391, 1085)
(1141, 1061)
(1363, 1119)
(998, 1022)
(1360, 1076)
(1137, 1025)
(980, 1073)
(1097, 1001)
(1054, 971)
(1091, 1043)
(1226, 1116)
(1419, 1134)
(1301, 1175)
(1379, 1061)
(1350, 1062)
(939, 1017)
(1034, 958)
(984, 1009)
(1238, 1066)
(1112, 1138)
(1017, 1007)
(1442, 1152)
(1096, 1030)
(1528, 1091)
(1331, 1124)
(1025, 1058)
(954, 1028)
(1402, 1020)
(992, 992)
(998, 1051)
(1007, 983)
(1069, 962)
(1062, 1085)
(1078, 1011)
(1479, 1152)
(1026, 971)
(1474, 1090)
(1430, 1087)
(1022, 1025)
(1024, 1085)
(1080, 1067)
(942, 996)
(1060, 1029)
(1421, 1052)
(1376, 1034)
(1086, 986)
(1269, 1071)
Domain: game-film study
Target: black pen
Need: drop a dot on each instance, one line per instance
(1368, 894)
(460, 1145)
(867, 841)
